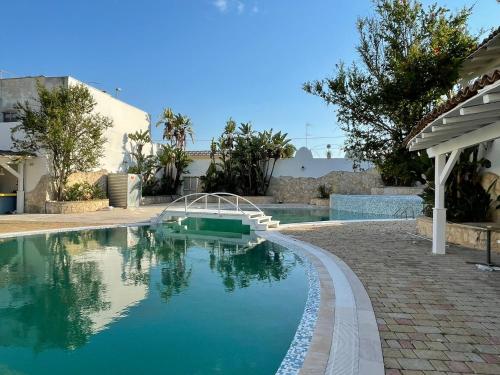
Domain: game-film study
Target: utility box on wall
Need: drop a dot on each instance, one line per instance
(124, 190)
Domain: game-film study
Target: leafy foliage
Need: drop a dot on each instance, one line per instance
(174, 162)
(243, 160)
(465, 198)
(324, 191)
(171, 159)
(64, 125)
(83, 192)
(409, 59)
(144, 164)
(176, 128)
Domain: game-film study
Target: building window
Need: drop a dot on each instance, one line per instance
(10, 116)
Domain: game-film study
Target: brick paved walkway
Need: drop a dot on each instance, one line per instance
(436, 314)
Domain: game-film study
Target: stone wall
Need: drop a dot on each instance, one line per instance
(156, 199)
(303, 189)
(487, 179)
(73, 207)
(34, 200)
(460, 234)
(43, 191)
(397, 190)
(320, 202)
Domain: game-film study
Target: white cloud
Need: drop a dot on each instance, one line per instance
(240, 7)
(221, 5)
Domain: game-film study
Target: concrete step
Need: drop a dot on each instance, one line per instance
(273, 224)
(264, 219)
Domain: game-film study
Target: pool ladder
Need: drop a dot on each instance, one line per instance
(404, 212)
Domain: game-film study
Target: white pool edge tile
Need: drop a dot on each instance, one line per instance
(356, 348)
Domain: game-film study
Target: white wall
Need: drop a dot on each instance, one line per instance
(301, 165)
(304, 165)
(126, 119)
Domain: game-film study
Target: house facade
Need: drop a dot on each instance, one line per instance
(28, 177)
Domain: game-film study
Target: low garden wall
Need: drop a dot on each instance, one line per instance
(257, 199)
(36, 199)
(156, 199)
(460, 234)
(320, 202)
(303, 189)
(397, 190)
(74, 207)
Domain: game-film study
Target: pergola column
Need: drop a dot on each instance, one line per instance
(439, 211)
(442, 170)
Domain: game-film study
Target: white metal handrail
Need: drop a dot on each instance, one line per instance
(403, 211)
(221, 196)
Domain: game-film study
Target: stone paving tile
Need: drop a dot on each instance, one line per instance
(436, 314)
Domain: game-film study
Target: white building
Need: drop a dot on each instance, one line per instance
(26, 177)
(302, 164)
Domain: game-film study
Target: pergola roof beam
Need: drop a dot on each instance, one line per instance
(453, 129)
(472, 138)
(481, 108)
(491, 114)
(490, 98)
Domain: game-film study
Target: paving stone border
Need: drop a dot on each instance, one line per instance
(436, 314)
(354, 346)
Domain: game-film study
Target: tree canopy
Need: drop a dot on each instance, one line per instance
(409, 59)
(64, 125)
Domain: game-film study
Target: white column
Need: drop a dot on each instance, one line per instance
(20, 188)
(439, 211)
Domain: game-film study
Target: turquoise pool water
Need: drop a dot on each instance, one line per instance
(303, 215)
(145, 300)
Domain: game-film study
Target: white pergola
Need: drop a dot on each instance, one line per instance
(470, 122)
(13, 163)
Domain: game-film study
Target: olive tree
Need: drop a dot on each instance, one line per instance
(64, 125)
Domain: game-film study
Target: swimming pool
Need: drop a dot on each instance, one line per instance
(132, 300)
(303, 215)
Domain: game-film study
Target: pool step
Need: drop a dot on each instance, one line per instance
(262, 222)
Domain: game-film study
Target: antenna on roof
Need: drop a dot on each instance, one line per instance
(117, 90)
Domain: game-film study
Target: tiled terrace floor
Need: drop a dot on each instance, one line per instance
(436, 314)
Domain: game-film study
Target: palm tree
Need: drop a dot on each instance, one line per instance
(176, 128)
(279, 147)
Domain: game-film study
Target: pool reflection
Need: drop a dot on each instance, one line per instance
(58, 290)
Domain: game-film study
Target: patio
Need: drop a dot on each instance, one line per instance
(436, 314)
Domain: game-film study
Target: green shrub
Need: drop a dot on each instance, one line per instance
(465, 198)
(324, 191)
(83, 191)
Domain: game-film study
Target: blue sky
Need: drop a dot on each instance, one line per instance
(209, 59)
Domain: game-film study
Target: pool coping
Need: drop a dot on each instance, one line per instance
(346, 339)
(353, 346)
